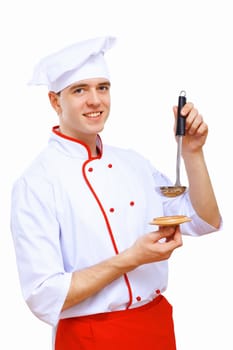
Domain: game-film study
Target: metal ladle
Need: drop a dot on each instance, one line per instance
(177, 189)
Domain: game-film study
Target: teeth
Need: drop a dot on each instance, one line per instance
(93, 115)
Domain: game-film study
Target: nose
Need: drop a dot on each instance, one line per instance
(93, 98)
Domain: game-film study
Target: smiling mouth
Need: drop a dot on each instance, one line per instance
(93, 115)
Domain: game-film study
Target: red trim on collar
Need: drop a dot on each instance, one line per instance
(56, 131)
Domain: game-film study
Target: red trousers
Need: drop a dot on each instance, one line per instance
(148, 327)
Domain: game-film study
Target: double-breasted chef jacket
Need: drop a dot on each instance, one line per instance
(71, 210)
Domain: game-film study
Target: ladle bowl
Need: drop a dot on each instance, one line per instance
(172, 191)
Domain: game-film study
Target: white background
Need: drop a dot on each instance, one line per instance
(163, 47)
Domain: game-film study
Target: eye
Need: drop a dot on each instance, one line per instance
(104, 87)
(79, 90)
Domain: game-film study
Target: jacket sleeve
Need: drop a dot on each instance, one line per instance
(35, 232)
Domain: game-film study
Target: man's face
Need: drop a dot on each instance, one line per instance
(83, 108)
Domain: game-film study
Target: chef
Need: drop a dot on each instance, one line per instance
(90, 263)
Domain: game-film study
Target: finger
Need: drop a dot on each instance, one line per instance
(166, 231)
(177, 237)
(193, 121)
(186, 109)
(174, 241)
(163, 233)
(175, 109)
(202, 129)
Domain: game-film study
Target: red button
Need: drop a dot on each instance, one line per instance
(138, 298)
(111, 210)
(131, 203)
(90, 169)
(110, 165)
(157, 291)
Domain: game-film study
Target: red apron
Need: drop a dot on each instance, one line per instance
(148, 327)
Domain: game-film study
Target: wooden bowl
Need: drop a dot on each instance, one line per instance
(170, 220)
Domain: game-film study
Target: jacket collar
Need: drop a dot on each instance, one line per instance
(73, 147)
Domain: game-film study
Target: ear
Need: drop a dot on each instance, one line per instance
(55, 101)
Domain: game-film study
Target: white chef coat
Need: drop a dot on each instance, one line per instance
(70, 211)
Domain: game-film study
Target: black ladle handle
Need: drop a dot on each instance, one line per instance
(180, 126)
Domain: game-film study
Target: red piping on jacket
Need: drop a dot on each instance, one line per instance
(90, 158)
(109, 230)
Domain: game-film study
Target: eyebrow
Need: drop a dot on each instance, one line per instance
(83, 85)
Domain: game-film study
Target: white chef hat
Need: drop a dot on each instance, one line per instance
(79, 61)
